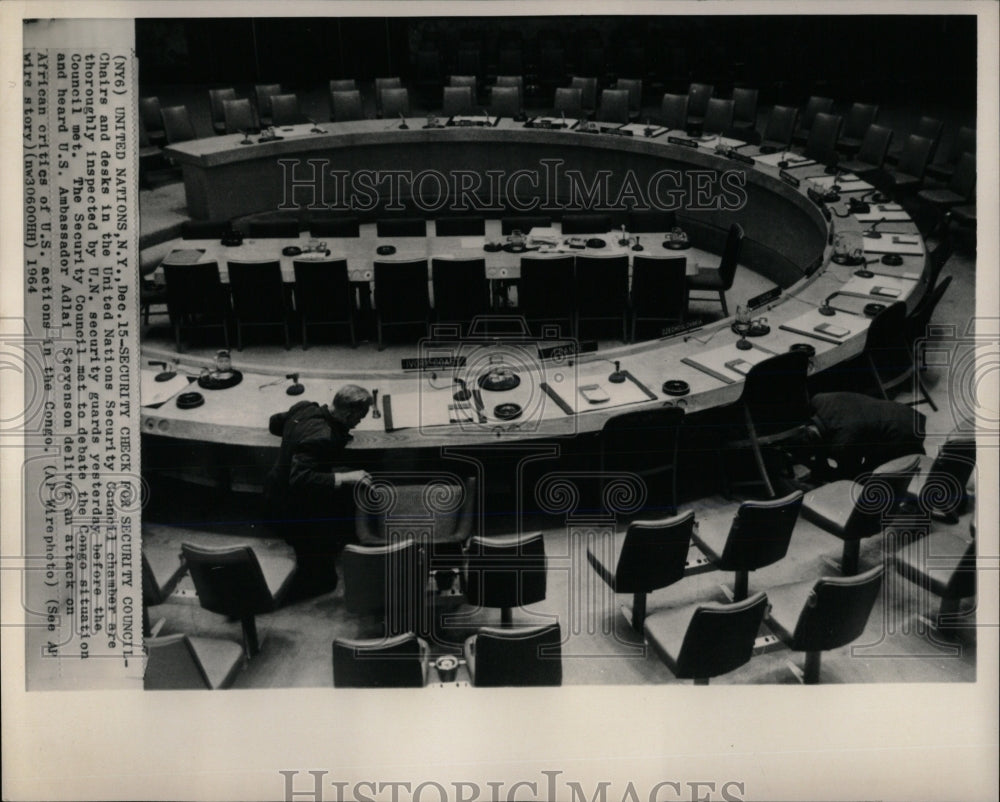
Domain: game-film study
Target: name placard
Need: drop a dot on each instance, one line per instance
(432, 362)
(740, 157)
(764, 298)
(788, 178)
(680, 328)
(678, 140)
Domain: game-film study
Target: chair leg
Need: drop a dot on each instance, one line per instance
(251, 643)
(305, 339)
(239, 336)
(758, 455)
(741, 585)
(722, 298)
(810, 670)
(850, 557)
(378, 327)
(638, 611)
(177, 337)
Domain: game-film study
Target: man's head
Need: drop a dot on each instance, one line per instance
(351, 404)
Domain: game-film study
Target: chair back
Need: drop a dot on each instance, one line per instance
(586, 223)
(396, 662)
(395, 101)
(963, 180)
(659, 288)
(546, 289)
(731, 256)
(698, 97)
(205, 229)
(505, 101)
(674, 112)
(505, 571)
(461, 290)
(386, 579)
(885, 343)
(463, 80)
(343, 84)
(745, 106)
(569, 101)
(718, 116)
(437, 511)
(915, 156)
(173, 665)
(965, 142)
(917, 323)
(523, 223)
(776, 393)
(177, 124)
(258, 291)
(216, 98)
(334, 226)
(814, 106)
(457, 100)
(780, 126)
(720, 637)
(281, 228)
(392, 82)
(875, 145)
(930, 128)
(614, 106)
(944, 488)
(401, 290)
(651, 221)
(643, 442)
(760, 533)
(634, 88)
(323, 290)
(401, 227)
(238, 116)
(859, 117)
(460, 226)
(588, 90)
(511, 80)
(285, 109)
(346, 105)
(654, 554)
(837, 611)
(264, 92)
(529, 656)
(149, 111)
(228, 579)
(601, 285)
(823, 135)
(877, 495)
(194, 290)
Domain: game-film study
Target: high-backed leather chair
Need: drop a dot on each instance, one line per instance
(505, 572)
(400, 661)
(526, 656)
(720, 280)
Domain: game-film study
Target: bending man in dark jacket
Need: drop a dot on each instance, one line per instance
(309, 493)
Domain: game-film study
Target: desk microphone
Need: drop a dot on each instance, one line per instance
(164, 375)
(246, 137)
(562, 115)
(315, 126)
(294, 388)
(783, 161)
(871, 233)
(825, 309)
(462, 394)
(402, 125)
(486, 114)
(375, 412)
(618, 376)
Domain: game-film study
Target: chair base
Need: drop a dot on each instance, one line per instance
(808, 674)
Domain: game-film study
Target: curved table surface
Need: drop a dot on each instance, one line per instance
(549, 393)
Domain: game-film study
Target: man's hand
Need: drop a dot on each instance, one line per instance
(351, 478)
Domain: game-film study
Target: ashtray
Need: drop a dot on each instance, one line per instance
(511, 248)
(190, 400)
(291, 250)
(596, 242)
(447, 667)
(509, 411)
(492, 247)
(385, 250)
(806, 348)
(871, 310)
(220, 380)
(892, 259)
(498, 381)
(676, 387)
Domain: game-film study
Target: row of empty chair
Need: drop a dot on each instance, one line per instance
(707, 639)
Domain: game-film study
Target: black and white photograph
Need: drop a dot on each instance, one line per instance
(466, 383)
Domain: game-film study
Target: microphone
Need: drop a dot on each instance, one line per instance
(462, 394)
(315, 126)
(294, 388)
(246, 137)
(486, 114)
(871, 233)
(562, 115)
(825, 309)
(617, 377)
(375, 412)
(402, 125)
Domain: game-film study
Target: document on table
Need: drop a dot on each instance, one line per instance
(904, 244)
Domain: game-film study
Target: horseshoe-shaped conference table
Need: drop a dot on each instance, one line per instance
(789, 241)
